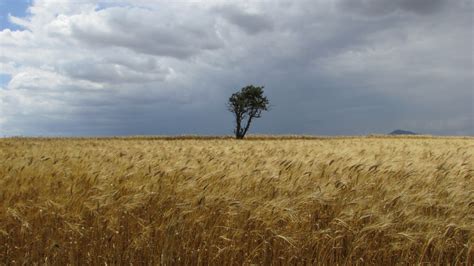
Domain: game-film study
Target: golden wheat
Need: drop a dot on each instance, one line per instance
(294, 200)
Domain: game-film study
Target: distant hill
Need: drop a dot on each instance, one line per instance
(402, 132)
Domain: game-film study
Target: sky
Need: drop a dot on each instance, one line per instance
(155, 67)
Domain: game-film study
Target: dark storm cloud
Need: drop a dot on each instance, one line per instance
(248, 22)
(135, 28)
(423, 6)
(384, 7)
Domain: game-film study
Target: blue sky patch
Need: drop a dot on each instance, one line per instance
(17, 8)
(4, 79)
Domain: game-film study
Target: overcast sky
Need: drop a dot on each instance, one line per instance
(136, 67)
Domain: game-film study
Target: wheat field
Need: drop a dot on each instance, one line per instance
(219, 201)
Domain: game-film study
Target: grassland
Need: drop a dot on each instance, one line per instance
(368, 200)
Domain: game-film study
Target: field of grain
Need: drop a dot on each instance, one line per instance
(367, 200)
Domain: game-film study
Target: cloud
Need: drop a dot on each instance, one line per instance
(384, 7)
(251, 23)
(115, 71)
(422, 6)
(137, 30)
(96, 67)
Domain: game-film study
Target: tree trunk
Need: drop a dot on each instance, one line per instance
(238, 127)
(239, 131)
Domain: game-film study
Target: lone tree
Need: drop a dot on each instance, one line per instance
(247, 104)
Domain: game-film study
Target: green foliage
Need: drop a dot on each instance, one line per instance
(247, 104)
